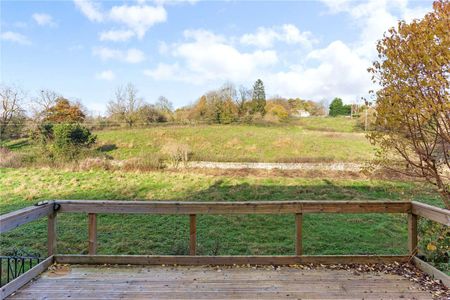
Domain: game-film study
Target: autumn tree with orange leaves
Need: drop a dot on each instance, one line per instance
(64, 112)
(413, 102)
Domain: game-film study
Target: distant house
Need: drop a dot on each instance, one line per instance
(301, 113)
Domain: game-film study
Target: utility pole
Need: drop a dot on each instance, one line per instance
(367, 103)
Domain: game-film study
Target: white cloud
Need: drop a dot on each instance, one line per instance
(139, 18)
(374, 17)
(340, 72)
(134, 56)
(166, 2)
(131, 55)
(287, 33)
(90, 9)
(116, 35)
(165, 72)
(206, 56)
(106, 75)
(15, 37)
(44, 19)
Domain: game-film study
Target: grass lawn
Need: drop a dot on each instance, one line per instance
(238, 234)
(289, 143)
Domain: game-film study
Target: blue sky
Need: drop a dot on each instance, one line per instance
(180, 49)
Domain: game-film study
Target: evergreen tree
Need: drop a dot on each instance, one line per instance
(337, 108)
(259, 97)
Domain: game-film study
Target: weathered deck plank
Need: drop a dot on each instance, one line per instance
(198, 282)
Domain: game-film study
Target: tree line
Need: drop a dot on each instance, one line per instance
(224, 105)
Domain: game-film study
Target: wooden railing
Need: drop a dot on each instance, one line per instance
(298, 208)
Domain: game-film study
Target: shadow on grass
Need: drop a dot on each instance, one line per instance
(107, 148)
(18, 144)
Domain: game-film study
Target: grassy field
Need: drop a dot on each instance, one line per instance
(290, 143)
(305, 140)
(256, 234)
(331, 124)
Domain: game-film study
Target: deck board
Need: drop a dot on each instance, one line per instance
(159, 282)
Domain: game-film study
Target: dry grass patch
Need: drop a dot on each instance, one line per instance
(283, 142)
(9, 159)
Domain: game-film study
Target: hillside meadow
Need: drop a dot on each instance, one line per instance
(241, 143)
(315, 139)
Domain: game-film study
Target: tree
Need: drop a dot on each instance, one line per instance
(63, 111)
(126, 104)
(150, 114)
(41, 104)
(413, 103)
(164, 105)
(12, 114)
(258, 97)
(245, 95)
(337, 108)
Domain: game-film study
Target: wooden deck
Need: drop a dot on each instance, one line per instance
(203, 282)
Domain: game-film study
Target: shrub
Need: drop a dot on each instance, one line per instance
(96, 163)
(434, 243)
(145, 163)
(70, 139)
(276, 112)
(176, 152)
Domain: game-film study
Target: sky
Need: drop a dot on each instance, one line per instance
(85, 49)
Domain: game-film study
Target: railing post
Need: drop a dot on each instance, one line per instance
(412, 233)
(92, 232)
(51, 234)
(298, 233)
(192, 234)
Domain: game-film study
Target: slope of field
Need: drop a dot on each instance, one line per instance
(245, 143)
(241, 234)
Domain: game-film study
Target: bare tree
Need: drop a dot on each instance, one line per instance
(11, 110)
(245, 95)
(125, 105)
(42, 103)
(164, 105)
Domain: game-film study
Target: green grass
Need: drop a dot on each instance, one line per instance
(238, 234)
(336, 124)
(315, 139)
(289, 143)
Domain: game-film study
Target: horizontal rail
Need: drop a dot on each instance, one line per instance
(23, 216)
(227, 260)
(260, 207)
(432, 271)
(433, 213)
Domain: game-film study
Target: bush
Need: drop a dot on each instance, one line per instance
(96, 163)
(276, 112)
(145, 163)
(176, 152)
(434, 243)
(70, 139)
